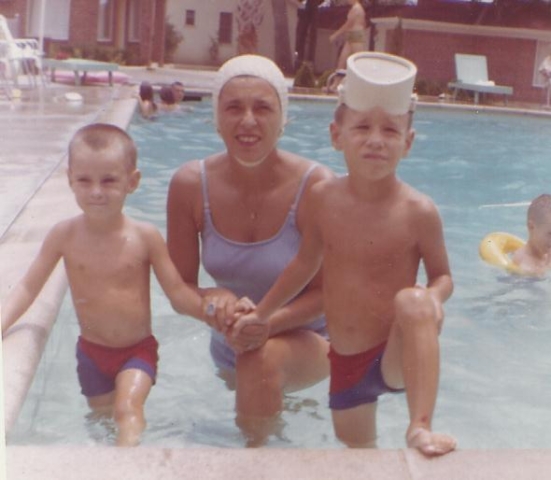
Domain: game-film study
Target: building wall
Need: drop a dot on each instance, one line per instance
(512, 54)
(83, 23)
(198, 39)
(83, 27)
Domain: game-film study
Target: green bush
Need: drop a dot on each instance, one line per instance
(172, 39)
(430, 87)
(305, 76)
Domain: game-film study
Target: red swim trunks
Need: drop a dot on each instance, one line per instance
(356, 379)
(98, 365)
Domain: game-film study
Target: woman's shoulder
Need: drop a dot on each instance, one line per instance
(301, 165)
(185, 182)
(189, 172)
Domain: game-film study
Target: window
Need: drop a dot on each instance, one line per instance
(190, 18)
(56, 19)
(225, 27)
(105, 19)
(134, 20)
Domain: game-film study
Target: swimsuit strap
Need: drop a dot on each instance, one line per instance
(302, 186)
(204, 188)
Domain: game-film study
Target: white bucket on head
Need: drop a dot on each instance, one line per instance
(378, 79)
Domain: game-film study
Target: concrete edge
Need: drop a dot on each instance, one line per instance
(149, 463)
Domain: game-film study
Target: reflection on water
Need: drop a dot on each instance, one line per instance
(494, 346)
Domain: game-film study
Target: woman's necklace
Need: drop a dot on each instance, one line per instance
(253, 205)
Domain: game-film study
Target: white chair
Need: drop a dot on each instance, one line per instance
(472, 75)
(23, 56)
(5, 83)
(545, 71)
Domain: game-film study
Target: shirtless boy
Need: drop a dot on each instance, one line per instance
(108, 258)
(354, 33)
(534, 258)
(372, 231)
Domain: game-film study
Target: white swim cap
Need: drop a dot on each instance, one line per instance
(378, 79)
(255, 66)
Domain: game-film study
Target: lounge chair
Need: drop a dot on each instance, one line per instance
(545, 72)
(5, 84)
(472, 75)
(23, 55)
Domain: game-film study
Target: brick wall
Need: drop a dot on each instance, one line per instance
(83, 21)
(510, 60)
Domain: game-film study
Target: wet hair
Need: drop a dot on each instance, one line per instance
(146, 91)
(539, 209)
(104, 136)
(177, 84)
(167, 95)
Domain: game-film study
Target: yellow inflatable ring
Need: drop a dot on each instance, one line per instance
(496, 247)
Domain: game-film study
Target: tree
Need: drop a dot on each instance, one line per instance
(249, 19)
(282, 41)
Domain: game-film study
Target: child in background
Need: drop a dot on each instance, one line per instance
(534, 258)
(178, 91)
(108, 259)
(370, 231)
(148, 107)
(168, 101)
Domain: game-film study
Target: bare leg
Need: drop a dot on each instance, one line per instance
(284, 363)
(132, 388)
(345, 53)
(412, 358)
(102, 405)
(356, 427)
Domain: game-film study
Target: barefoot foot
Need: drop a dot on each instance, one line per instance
(430, 443)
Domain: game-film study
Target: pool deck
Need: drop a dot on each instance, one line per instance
(35, 131)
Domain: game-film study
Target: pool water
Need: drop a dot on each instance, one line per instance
(481, 170)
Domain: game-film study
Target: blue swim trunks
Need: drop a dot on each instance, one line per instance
(99, 365)
(357, 379)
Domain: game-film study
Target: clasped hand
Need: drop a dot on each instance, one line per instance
(237, 320)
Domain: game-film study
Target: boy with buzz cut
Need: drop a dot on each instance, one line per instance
(534, 258)
(369, 232)
(108, 258)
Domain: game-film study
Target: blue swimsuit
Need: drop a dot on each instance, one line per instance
(248, 269)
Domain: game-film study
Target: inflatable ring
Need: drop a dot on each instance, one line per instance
(496, 247)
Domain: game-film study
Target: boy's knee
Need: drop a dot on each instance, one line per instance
(127, 409)
(414, 305)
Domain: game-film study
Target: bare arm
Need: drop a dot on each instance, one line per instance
(435, 257)
(296, 276)
(184, 298)
(21, 297)
(184, 194)
(306, 307)
(184, 214)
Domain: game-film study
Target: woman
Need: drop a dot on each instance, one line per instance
(354, 32)
(239, 213)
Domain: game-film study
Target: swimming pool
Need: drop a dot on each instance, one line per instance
(480, 169)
